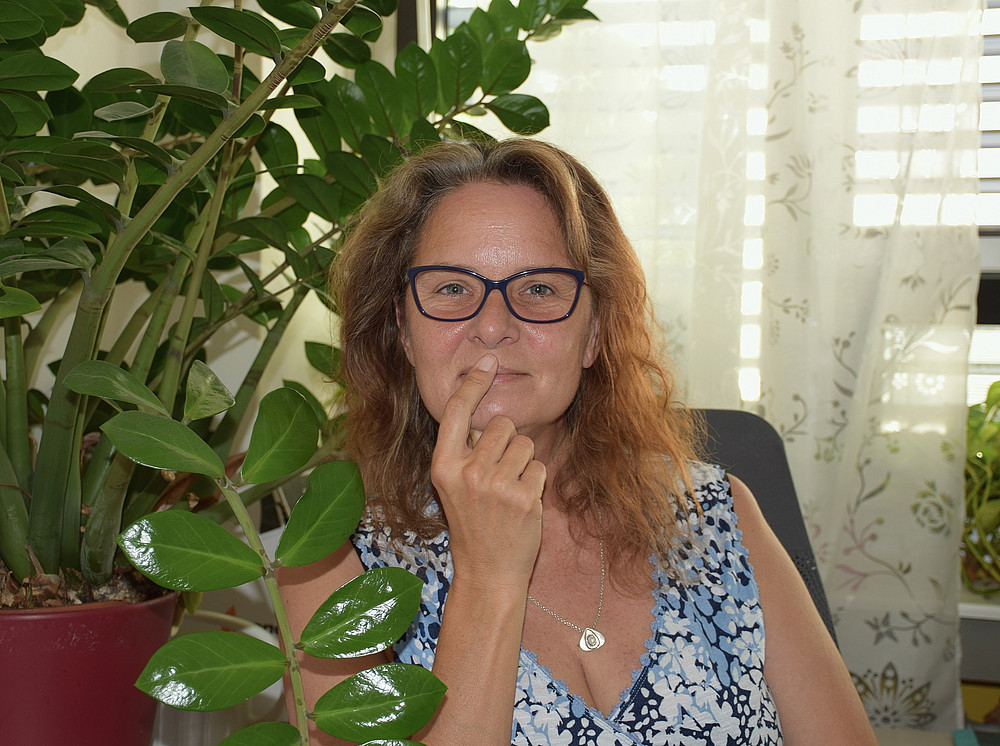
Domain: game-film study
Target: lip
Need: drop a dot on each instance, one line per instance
(502, 373)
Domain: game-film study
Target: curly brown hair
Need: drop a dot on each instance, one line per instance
(631, 443)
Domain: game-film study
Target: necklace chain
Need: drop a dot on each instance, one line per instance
(591, 639)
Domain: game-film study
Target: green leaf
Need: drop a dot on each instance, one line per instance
(186, 552)
(264, 734)
(354, 176)
(418, 81)
(531, 13)
(993, 395)
(349, 110)
(520, 113)
(322, 357)
(101, 378)
(384, 8)
(347, 50)
(283, 439)
(365, 615)
(291, 101)
(123, 110)
(144, 147)
(325, 516)
(17, 22)
(206, 394)
(506, 66)
(152, 440)
(315, 194)
(69, 253)
(187, 93)
(91, 159)
(310, 70)
(207, 671)
(505, 18)
(118, 80)
(16, 302)
(363, 22)
(384, 95)
(157, 27)
(388, 701)
(81, 195)
(35, 72)
(24, 115)
(297, 13)
(267, 229)
(192, 64)
(459, 66)
(248, 30)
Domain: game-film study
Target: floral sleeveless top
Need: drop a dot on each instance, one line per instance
(701, 679)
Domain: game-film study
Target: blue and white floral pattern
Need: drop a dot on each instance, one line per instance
(701, 679)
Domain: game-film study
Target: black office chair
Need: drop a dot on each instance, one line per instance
(748, 446)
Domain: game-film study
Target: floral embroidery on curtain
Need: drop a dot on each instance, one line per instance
(799, 180)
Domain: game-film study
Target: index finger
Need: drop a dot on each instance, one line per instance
(453, 430)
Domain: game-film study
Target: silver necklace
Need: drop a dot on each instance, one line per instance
(590, 638)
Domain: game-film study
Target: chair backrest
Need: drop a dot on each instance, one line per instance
(747, 445)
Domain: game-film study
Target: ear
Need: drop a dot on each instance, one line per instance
(404, 333)
(593, 344)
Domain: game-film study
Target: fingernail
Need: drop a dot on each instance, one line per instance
(486, 362)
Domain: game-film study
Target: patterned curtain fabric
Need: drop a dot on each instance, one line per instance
(799, 178)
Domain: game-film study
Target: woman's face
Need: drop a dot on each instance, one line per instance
(497, 230)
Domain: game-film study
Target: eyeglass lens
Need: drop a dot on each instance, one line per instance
(450, 294)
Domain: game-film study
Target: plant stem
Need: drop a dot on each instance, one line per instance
(58, 449)
(274, 594)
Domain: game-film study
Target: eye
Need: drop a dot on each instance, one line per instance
(539, 290)
(452, 288)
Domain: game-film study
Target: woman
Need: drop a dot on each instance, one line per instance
(584, 579)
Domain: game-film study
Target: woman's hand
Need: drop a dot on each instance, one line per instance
(490, 486)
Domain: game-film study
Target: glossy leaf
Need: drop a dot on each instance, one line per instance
(185, 552)
(505, 18)
(207, 671)
(192, 64)
(17, 22)
(16, 302)
(290, 102)
(69, 253)
(247, 30)
(206, 394)
(28, 112)
(283, 439)
(459, 66)
(117, 80)
(153, 440)
(418, 81)
(365, 615)
(324, 517)
(293, 12)
(520, 113)
(531, 13)
(101, 378)
(158, 27)
(143, 146)
(506, 66)
(264, 734)
(35, 72)
(382, 7)
(310, 70)
(383, 93)
(393, 700)
(322, 357)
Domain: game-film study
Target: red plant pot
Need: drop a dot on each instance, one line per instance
(67, 674)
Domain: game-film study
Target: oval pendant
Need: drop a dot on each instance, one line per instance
(591, 639)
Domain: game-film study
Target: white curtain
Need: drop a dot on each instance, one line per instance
(799, 178)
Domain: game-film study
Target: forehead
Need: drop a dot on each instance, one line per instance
(492, 227)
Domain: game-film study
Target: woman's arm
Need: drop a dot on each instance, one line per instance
(812, 689)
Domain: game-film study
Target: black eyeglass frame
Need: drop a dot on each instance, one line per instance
(500, 285)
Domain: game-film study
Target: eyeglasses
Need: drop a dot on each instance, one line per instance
(537, 296)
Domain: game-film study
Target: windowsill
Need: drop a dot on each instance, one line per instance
(974, 606)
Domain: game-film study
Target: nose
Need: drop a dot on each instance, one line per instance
(494, 323)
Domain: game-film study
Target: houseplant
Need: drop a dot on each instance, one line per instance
(171, 183)
(981, 534)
